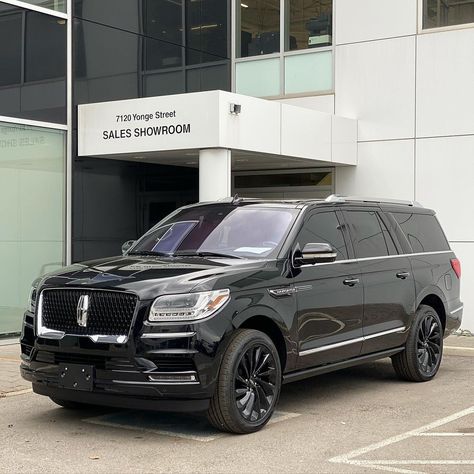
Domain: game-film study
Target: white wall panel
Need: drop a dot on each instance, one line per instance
(375, 83)
(445, 83)
(384, 169)
(445, 170)
(465, 253)
(306, 133)
(364, 20)
(321, 103)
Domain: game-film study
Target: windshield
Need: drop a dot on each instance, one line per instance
(219, 230)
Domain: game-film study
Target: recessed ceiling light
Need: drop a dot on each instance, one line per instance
(244, 5)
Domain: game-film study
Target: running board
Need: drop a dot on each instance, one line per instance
(323, 369)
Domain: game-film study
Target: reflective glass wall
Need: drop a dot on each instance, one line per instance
(32, 210)
(32, 65)
(438, 13)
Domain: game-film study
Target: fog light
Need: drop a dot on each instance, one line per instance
(184, 377)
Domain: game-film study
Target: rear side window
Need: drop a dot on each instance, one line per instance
(324, 227)
(422, 231)
(369, 235)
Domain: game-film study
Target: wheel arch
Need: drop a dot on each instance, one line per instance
(273, 328)
(435, 300)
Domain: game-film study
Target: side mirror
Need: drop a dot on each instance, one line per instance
(127, 245)
(313, 253)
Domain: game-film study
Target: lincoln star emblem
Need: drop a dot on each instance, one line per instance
(82, 311)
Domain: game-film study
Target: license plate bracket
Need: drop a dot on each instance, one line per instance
(77, 377)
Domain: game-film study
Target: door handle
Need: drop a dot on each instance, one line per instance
(403, 275)
(351, 281)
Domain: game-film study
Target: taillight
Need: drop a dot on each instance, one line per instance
(456, 264)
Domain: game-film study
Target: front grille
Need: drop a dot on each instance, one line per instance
(98, 361)
(110, 313)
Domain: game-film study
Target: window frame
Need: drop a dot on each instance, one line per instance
(281, 55)
(436, 29)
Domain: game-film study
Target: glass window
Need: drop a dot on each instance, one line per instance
(309, 24)
(258, 78)
(206, 31)
(250, 231)
(422, 231)
(57, 5)
(308, 72)
(10, 48)
(32, 210)
(259, 27)
(45, 51)
(324, 227)
(367, 234)
(438, 13)
(164, 22)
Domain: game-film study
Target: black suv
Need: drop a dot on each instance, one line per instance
(219, 304)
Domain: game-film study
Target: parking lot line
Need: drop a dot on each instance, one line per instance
(390, 464)
(459, 348)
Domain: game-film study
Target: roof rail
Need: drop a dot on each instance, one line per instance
(341, 198)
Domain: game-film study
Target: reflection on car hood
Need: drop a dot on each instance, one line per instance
(151, 276)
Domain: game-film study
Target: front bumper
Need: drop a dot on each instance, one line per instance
(164, 368)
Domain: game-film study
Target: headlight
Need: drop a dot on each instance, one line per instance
(187, 307)
(32, 296)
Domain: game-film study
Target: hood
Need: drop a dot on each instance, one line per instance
(149, 277)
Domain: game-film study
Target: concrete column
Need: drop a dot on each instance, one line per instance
(214, 174)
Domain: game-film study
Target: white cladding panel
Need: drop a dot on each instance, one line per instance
(256, 128)
(384, 169)
(365, 20)
(465, 252)
(445, 172)
(375, 83)
(321, 103)
(135, 126)
(445, 83)
(305, 133)
(344, 140)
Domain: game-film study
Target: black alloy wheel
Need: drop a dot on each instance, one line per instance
(429, 345)
(248, 385)
(255, 383)
(420, 360)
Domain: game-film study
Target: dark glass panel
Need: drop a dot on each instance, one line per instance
(45, 52)
(310, 24)
(206, 30)
(209, 77)
(259, 27)
(320, 178)
(10, 47)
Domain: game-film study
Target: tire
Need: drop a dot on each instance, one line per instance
(248, 384)
(420, 360)
(70, 405)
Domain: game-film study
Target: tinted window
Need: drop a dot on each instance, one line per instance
(10, 49)
(422, 231)
(324, 227)
(367, 234)
(45, 52)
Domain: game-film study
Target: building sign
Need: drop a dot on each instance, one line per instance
(150, 124)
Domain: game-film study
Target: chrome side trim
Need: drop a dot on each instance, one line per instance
(167, 335)
(457, 309)
(351, 341)
(146, 384)
(366, 259)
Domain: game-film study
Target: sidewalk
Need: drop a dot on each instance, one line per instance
(10, 379)
(11, 382)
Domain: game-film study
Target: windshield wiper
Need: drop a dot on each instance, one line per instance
(205, 254)
(150, 253)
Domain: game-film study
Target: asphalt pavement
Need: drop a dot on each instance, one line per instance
(361, 419)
